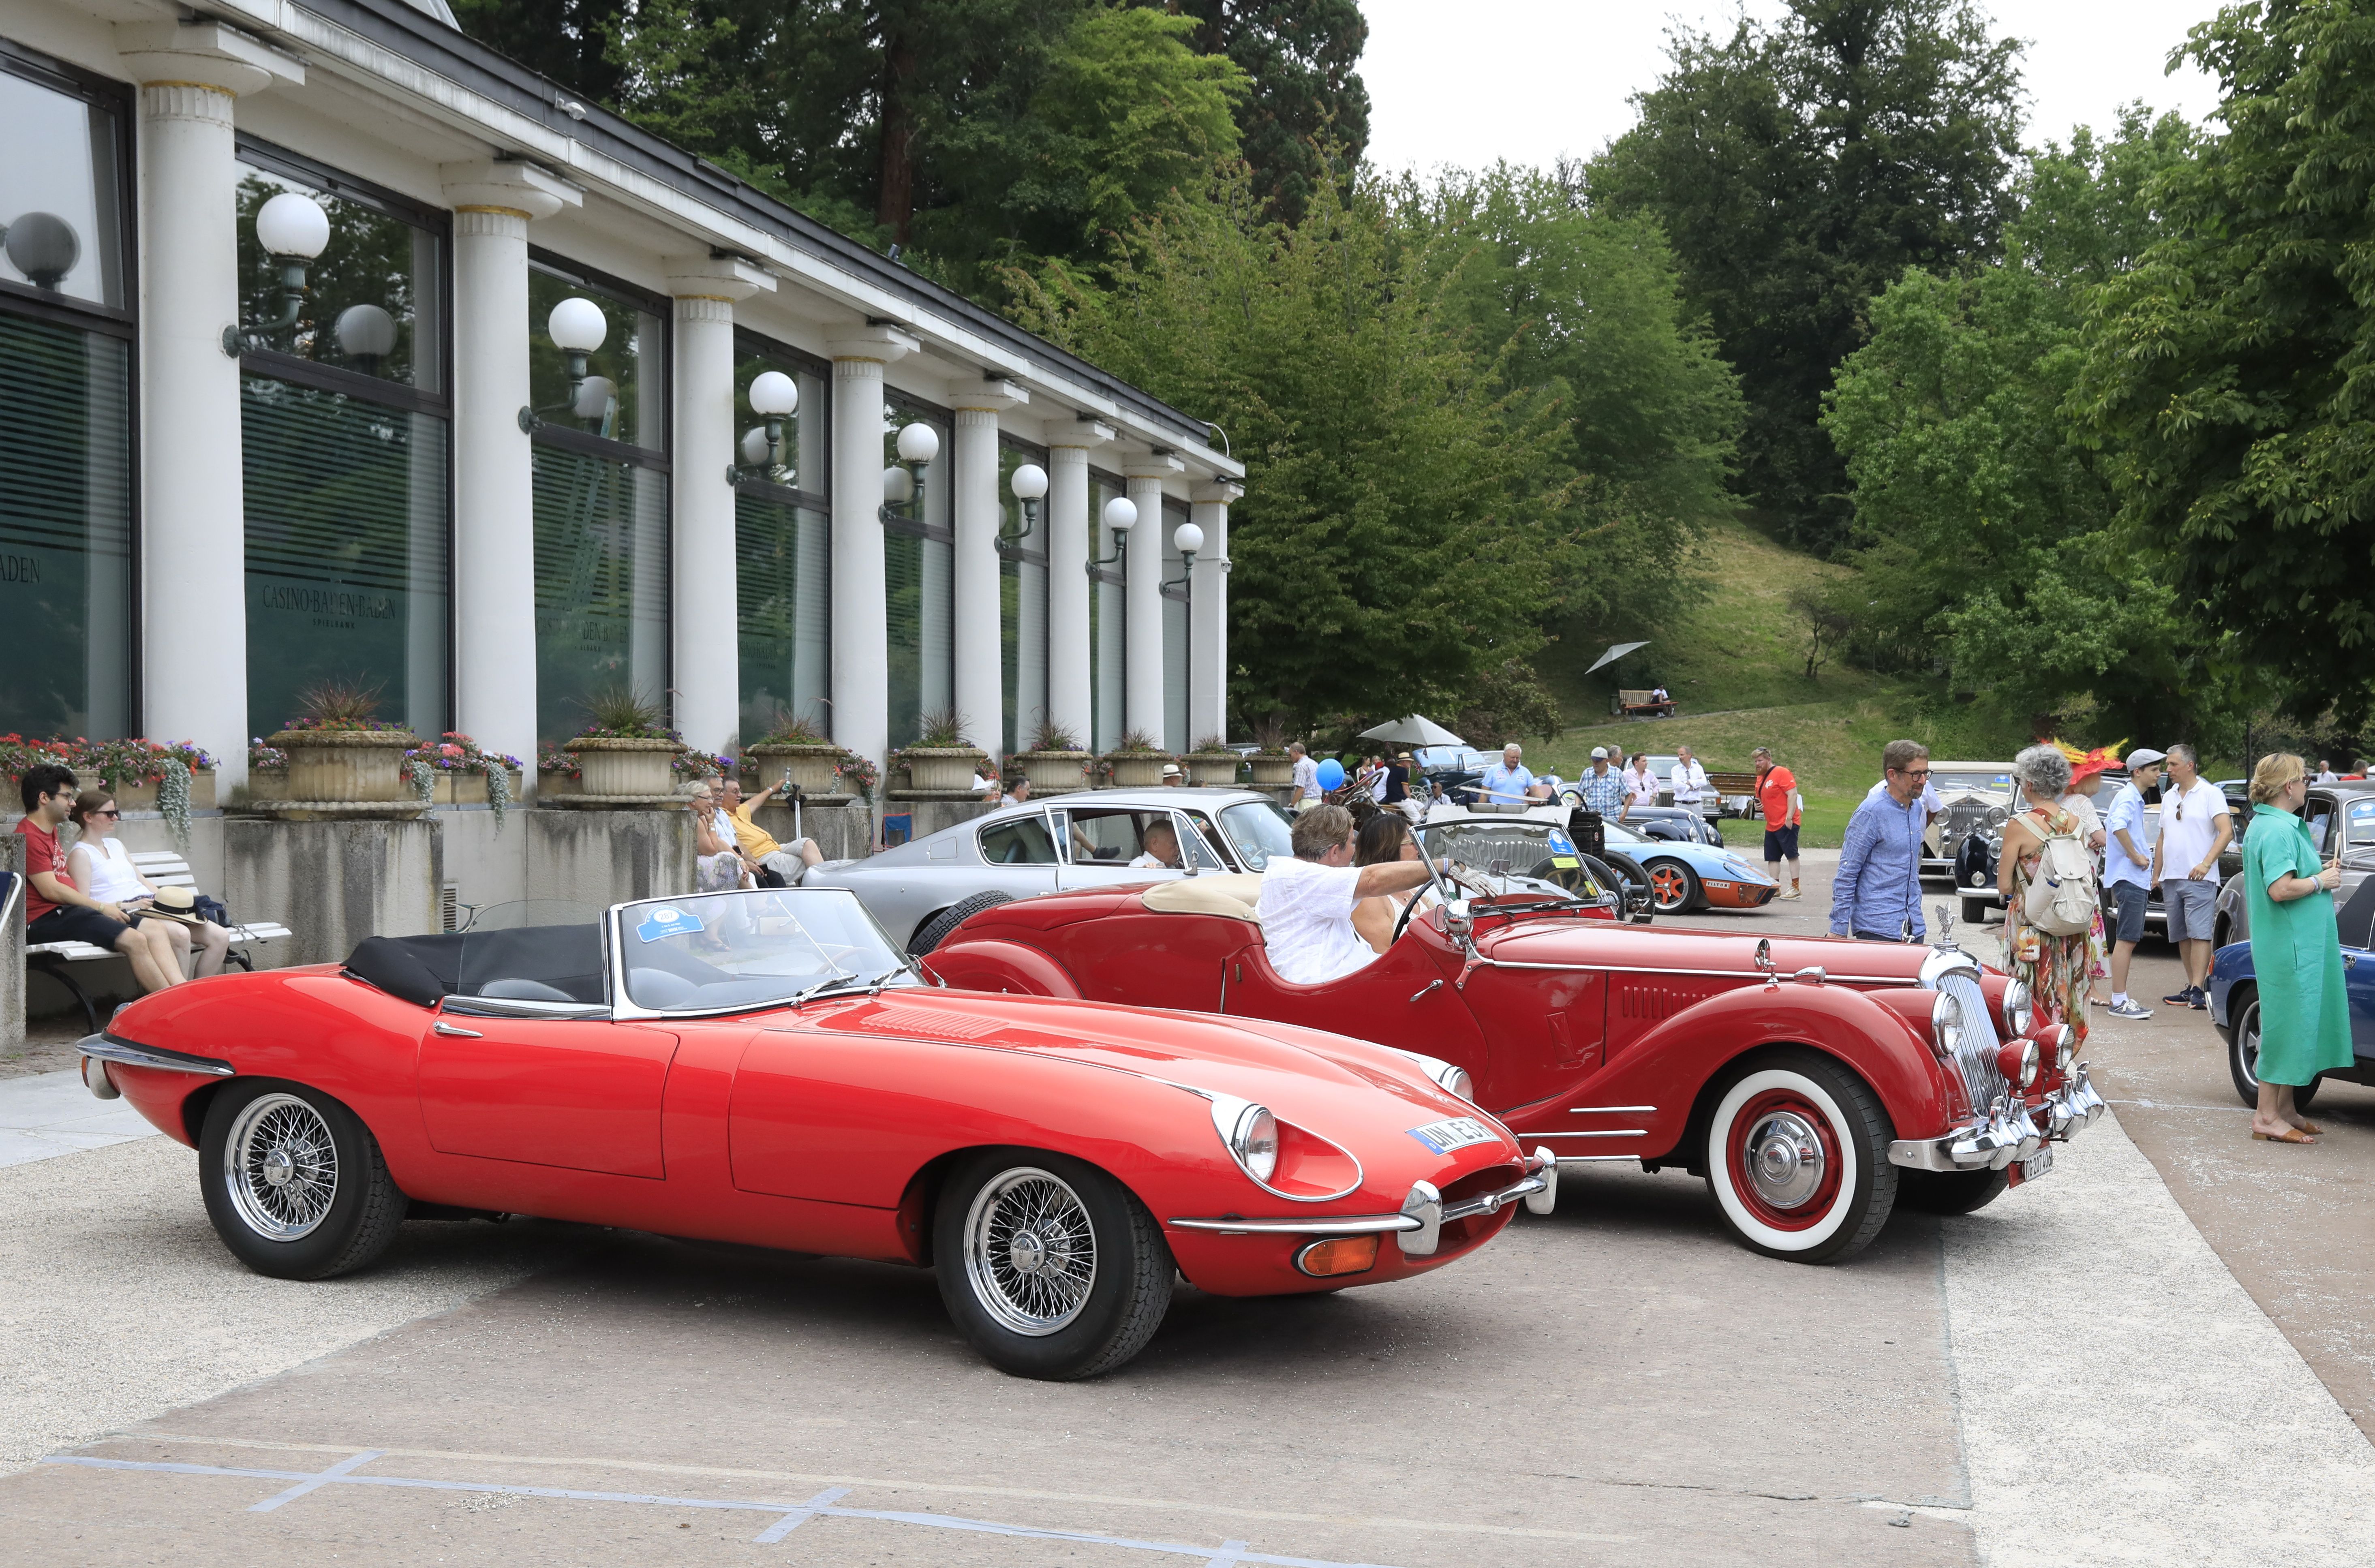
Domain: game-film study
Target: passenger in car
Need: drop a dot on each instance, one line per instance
(1385, 840)
(1159, 848)
(1307, 901)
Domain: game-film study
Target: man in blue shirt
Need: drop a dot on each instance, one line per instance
(1876, 895)
(1602, 788)
(1508, 784)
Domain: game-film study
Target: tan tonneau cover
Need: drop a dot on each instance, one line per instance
(1234, 895)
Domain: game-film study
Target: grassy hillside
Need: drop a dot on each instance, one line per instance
(1736, 667)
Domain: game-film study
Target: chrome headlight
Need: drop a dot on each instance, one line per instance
(2065, 1045)
(2018, 1062)
(2019, 1010)
(1448, 1077)
(1251, 1134)
(1947, 1025)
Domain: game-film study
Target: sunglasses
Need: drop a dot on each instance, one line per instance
(111, 811)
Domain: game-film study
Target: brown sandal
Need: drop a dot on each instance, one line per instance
(2290, 1135)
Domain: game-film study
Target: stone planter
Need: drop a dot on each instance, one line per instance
(1055, 772)
(143, 797)
(267, 784)
(1272, 768)
(625, 767)
(1135, 770)
(1213, 769)
(816, 769)
(942, 770)
(468, 788)
(550, 783)
(349, 765)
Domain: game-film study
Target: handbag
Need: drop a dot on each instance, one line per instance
(212, 909)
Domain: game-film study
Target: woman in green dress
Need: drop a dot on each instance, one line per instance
(2296, 950)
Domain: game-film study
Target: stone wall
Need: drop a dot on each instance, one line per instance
(334, 883)
(606, 857)
(934, 810)
(842, 832)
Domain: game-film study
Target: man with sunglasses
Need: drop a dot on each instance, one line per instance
(1877, 896)
(2195, 828)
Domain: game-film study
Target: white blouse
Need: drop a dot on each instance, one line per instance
(113, 878)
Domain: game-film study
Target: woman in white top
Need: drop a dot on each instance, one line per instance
(1385, 837)
(100, 868)
(717, 860)
(1640, 781)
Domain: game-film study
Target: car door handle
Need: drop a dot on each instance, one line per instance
(442, 1027)
(1421, 991)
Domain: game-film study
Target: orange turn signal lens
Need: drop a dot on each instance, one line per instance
(1339, 1254)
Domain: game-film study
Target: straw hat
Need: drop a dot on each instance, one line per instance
(175, 904)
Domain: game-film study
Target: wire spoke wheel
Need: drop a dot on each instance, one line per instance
(1030, 1250)
(280, 1165)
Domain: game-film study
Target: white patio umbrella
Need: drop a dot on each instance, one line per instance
(1615, 651)
(1414, 729)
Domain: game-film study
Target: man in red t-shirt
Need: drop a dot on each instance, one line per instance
(57, 910)
(1778, 799)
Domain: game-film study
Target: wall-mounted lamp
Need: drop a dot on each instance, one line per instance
(1121, 516)
(42, 246)
(903, 482)
(578, 327)
(1029, 483)
(774, 398)
(293, 229)
(365, 332)
(1186, 539)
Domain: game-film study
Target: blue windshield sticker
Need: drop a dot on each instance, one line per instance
(2362, 808)
(668, 921)
(1560, 843)
(1454, 1132)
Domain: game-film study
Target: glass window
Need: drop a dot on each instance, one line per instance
(372, 301)
(601, 584)
(61, 198)
(66, 529)
(1105, 612)
(1023, 601)
(783, 552)
(1260, 831)
(919, 582)
(347, 551)
(621, 397)
(1023, 841)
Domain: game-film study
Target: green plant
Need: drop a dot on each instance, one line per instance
(1050, 735)
(943, 729)
(173, 799)
(790, 731)
(1213, 746)
(619, 712)
(1135, 742)
(339, 704)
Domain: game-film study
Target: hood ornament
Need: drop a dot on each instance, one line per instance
(1765, 962)
(1945, 942)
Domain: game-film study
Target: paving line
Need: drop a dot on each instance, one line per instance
(345, 1473)
(653, 1466)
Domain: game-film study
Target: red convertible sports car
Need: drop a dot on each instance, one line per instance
(764, 1068)
(1815, 1083)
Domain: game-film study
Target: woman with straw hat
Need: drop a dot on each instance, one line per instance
(99, 867)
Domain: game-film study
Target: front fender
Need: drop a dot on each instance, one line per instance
(988, 963)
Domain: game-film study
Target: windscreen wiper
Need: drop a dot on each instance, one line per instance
(835, 978)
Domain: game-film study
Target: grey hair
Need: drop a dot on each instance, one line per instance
(2192, 758)
(2043, 769)
(1899, 755)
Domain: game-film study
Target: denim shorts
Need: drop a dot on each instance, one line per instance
(2191, 907)
(2131, 898)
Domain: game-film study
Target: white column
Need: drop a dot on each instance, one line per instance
(861, 667)
(1143, 702)
(494, 484)
(979, 616)
(704, 620)
(1071, 533)
(1208, 611)
(193, 569)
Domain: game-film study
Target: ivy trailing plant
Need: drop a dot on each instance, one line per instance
(455, 752)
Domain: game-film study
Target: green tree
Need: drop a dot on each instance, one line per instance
(566, 40)
(2230, 377)
(1798, 171)
(1307, 106)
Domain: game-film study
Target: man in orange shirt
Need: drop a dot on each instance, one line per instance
(1778, 799)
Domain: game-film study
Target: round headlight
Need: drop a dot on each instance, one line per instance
(1254, 1142)
(2019, 1011)
(1946, 1024)
(2065, 1045)
(1456, 1081)
(2018, 1062)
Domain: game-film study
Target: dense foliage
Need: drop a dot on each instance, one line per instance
(1798, 170)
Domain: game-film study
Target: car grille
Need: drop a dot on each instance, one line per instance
(1976, 1058)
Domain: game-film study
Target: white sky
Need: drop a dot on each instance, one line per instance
(1527, 81)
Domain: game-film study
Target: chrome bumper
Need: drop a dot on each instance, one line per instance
(2007, 1133)
(1418, 1229)
(100, 1049)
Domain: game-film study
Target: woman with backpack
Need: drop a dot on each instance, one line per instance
(2053, 937)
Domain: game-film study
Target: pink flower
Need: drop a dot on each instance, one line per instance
(450, 750)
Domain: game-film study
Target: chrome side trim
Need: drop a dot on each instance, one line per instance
(1608, 1109)
(1742, 974)
(1603, 1132)
(1350, 1225)
(108, 1048)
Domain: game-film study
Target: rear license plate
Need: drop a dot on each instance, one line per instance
(2035, 1166)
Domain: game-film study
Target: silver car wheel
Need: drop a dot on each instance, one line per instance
(282, 1167)
(1030, 1250)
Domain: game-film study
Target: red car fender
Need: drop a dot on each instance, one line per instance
(1671, 1067)
(987, 963)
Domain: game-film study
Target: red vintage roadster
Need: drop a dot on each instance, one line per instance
(765, 1068)
(1815, 1083)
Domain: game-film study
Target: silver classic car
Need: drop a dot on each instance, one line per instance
(922, 888)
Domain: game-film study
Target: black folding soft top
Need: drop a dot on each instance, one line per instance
(422, 968)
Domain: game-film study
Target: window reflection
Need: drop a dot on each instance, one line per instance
(59, 199)
(368, 294)
(619, 399)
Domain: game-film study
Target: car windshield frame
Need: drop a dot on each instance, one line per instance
(718, 915)
(1258, 856)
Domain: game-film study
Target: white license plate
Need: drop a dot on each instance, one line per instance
(1457, 1131)
(2036, 1166)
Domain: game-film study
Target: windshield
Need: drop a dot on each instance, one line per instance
(1513, 847)
(753, 948)
(1997, 783)
(1259, 830)
(1622, 837)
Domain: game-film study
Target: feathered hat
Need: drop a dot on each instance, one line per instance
(2084, 764)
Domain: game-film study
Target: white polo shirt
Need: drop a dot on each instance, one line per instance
(1306, 918)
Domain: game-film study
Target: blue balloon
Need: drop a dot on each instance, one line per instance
(1331, 774)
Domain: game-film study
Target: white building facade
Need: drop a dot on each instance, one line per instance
(497, 454)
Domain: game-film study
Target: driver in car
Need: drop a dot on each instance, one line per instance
(1161, 847)
(1306, 903)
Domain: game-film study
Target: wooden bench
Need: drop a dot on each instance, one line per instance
(165, 869)
(1640, 704)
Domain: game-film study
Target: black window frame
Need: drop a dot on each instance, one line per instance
(661, 458)
(912, 527)
(749, 344)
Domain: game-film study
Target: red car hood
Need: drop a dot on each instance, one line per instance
(1602, 946)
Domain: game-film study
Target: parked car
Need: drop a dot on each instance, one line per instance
(766, 1067)
(1089, 838)
(2341, 817)
(2235, 1005)
(1972, 796)
(1975, 860)
(1675, 824)
(1815, 1083)
(1537, 851)
(1686, 877)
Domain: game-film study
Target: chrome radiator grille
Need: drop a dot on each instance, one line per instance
(1977, 1058)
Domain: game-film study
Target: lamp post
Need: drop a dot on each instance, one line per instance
(903, 482)
(1029, 483)
(578, 327)
(293, 229)
(42, 246)
(774, 398)
(1121, 516)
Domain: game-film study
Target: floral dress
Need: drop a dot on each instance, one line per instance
(2057, 970)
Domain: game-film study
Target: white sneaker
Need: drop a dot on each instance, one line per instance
(2130, 1009)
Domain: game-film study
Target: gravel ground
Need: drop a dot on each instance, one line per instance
(94, 1345)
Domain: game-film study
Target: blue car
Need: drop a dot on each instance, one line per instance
(1684, 877)
(2235, 1009)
